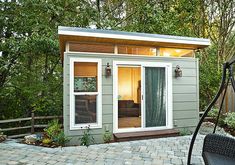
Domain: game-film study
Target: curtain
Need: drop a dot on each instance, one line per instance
(155, 97)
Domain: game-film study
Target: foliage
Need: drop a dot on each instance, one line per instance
(30, 65)
(53, 129)
(46, 141)
(61, 139)
(213, 113)
(87, 139)
(210, 76)
(230, 120)
(56, 134)
(107, 136)
(184, 132)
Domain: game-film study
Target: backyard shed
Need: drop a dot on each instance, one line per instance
(134, 85)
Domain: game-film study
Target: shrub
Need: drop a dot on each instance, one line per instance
(61, 139)
(46, 141)
(87, 138)
(230, 120)
(54, 128)
(107, 136)
(56, 134)
(214, 113)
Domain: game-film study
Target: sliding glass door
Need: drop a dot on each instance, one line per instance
(142, 96)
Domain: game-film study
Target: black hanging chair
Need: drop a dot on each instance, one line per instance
(217, 149)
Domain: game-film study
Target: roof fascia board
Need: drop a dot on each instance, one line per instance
(180, 40)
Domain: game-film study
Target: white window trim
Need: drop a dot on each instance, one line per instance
(169, 115)
(74, 126)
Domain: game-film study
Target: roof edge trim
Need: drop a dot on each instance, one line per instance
(132, 36)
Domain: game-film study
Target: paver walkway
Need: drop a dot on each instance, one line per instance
(162, 151)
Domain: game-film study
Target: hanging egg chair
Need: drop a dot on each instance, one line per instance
(217, 149)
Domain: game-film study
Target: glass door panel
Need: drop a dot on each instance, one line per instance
(155, 96)
(129, 97)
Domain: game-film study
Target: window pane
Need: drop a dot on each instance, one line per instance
(91, 47)
(136, 50)
(129, 97)
(85, 77)
(85, 109)
(171, 52)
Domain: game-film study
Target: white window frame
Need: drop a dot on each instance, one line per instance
(98, 94)
(169, 112)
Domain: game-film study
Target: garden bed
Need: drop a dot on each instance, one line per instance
(53, 136)
(226, 121)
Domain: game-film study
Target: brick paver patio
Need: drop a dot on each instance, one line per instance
(164, 151)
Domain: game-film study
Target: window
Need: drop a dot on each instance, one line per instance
(174, 52)
(91, 47)
(85, 84)
(109, 48)
(136, 50)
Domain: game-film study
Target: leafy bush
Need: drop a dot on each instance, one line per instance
(214, 113)
(230, 120)
(107, 136)
(46, 141)
(87, 138)
(56, 134)
(61, 139)
(54, 128)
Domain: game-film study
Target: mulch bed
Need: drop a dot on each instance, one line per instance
(38, 143)
(229, 130)
(225, 127)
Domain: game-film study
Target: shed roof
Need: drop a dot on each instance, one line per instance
(121, 37)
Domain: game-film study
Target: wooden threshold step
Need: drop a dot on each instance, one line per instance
(119, 137)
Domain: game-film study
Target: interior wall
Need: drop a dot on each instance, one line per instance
(128, 82)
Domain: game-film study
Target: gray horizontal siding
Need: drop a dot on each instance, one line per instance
(184, 89)
(185, 92)
(180, 106)
(191, 122)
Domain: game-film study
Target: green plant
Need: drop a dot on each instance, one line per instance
(87, 138)
(46, 141)
(61, 139)
(214, 113)
(184, 132)
(230, 120)
(107, 136)
(53, 130)
(56, 134)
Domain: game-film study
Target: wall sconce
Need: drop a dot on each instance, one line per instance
(178, 71)
(108, 70)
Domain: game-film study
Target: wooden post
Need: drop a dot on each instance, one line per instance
(32, 122)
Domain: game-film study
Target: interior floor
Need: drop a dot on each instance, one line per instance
(129, 122)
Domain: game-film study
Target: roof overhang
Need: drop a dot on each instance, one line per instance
(68, 34)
